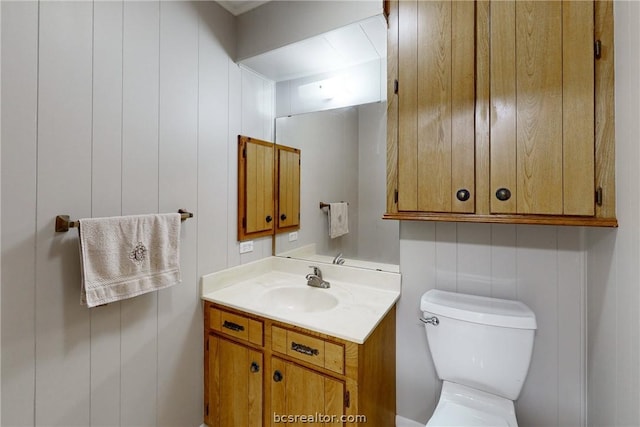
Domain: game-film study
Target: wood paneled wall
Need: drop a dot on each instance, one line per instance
(542, 266)
(115, 108)
(613, 255)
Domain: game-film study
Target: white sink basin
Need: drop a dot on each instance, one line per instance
(300, 299)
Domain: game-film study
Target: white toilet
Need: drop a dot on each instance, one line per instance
(481, 348)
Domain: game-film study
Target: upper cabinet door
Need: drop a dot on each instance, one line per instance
(255, 188)
(436, 101)
(288, 167)
(542, 107)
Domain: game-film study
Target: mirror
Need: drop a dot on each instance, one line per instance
(344, 160)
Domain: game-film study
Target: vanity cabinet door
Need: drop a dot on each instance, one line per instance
(301, 391)
(255, 188)
(233, 384)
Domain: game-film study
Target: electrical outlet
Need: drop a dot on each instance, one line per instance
(293, 236)
(246, 247)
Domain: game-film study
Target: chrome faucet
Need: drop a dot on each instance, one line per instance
(338, 259)
(315, 279)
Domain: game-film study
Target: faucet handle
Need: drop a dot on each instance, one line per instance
(316, 270)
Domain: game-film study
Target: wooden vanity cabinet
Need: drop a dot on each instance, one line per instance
(501, 111)
(253, 364)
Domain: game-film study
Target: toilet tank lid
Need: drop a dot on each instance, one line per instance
(478, 309)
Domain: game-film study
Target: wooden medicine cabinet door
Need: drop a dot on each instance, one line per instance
(255, 188)
(288, 188)
(436, 101)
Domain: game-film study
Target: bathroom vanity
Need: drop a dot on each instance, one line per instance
(277, 349)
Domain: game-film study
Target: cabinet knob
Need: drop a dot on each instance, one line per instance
(277, 376)
(268, 218)
(283, 217)
(463, 195)
(503, 194)
(255, 367)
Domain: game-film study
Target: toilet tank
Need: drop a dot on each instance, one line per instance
(481, 342)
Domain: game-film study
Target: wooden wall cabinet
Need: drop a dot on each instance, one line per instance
(268, 188)
(257, 370)
(501, 111)
(288, 188)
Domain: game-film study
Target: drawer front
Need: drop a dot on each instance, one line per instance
(316, 351)
(236, 325)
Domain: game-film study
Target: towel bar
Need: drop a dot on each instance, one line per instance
(63, 223)
(325, 205)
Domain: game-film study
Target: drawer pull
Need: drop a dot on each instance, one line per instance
(232, 326)
(301, 348)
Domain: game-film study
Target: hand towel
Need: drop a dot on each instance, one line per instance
(338, 219)
(125, 256)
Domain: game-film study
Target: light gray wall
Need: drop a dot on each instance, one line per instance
(116, 108)
(542, 266)
(279, 23)
(614, 255)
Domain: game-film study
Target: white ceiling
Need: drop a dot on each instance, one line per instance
(338, 49)
(238, 7)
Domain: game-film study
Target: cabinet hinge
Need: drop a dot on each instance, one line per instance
(599, 196)
(597, 48)
(395, 196)
(395, 86)
(347, 399)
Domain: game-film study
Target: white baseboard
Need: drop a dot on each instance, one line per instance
(405, 422)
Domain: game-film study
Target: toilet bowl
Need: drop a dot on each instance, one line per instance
(481, 348)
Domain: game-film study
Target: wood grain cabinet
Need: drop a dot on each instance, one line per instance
(501, 111)
(256, 180)
(288, 188)
(268, 188)
(260, 372)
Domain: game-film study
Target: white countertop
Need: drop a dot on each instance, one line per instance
(363, 297)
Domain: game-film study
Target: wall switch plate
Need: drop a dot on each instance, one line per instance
(293, 236)
(246, 247)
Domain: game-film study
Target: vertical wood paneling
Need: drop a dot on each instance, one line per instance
(446, 236)
(106, 187)
(213, 150)
(541, 266)
(64, 186)
(537, 286)
(19, 145)
(234, 129)
(434, 106)
(407, 105)
(539, 133)
(140, 93)
(503, 104)
(571, 327)
(578, 108)
(463, 43)
(85, 139)
(503, 261)
(474, 260)
(179, 313)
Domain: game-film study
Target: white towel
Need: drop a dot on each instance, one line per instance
(338, 219)
(125, 256)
